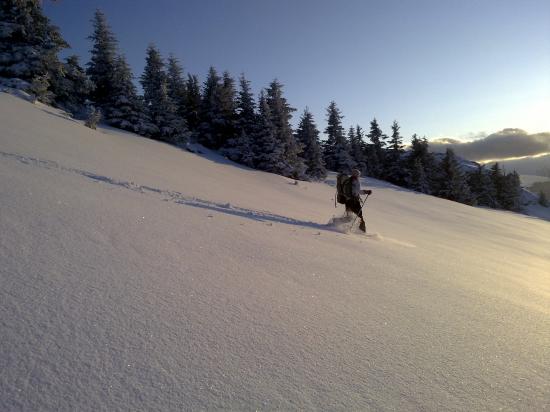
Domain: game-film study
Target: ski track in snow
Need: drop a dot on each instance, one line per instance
(171, 195)
(180, 198)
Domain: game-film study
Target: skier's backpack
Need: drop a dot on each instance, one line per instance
(343, 188)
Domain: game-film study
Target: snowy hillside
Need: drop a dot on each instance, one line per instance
(138, 276)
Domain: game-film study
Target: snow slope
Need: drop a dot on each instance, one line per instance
(138, 276)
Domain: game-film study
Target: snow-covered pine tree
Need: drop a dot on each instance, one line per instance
(102, 63)
(281, 113)
(240, 148)
(336, 147)
(151, 80)
(73, 88)
(246, 107)
(482, 187)
(211, 117)
(160, 109)
(419, 150)
(29, 44)
(307, 135)
(193, 103)
(268, 152)
(93, 116)
(395, 172)
(173, 128)
(146, 126)
(418, 179)
(124, 109)
(452, 183)
(41, 88)
(357, 148)
(177, 88)
(228, 105)
(375, 152)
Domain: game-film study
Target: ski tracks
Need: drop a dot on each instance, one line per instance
(167, 195)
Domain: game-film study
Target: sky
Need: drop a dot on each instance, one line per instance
(449, 69)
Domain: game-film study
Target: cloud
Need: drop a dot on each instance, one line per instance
(446, 141)
(501, 145)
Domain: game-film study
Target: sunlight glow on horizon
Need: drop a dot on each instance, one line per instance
(483, 162)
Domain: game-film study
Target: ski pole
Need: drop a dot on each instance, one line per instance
(361, 210)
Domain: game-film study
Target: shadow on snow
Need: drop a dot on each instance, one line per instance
(174, 196)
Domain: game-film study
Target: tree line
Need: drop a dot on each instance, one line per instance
(224, 114)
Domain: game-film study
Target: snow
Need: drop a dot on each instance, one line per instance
(16, 87)
(139, 276)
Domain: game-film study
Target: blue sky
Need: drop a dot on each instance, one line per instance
(442, 68)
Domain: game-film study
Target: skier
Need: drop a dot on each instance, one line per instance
(353, 202)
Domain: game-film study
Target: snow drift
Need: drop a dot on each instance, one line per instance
(135, 275)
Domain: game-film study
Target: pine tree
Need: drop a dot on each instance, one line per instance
(418, 178)
(394, 159)
(240, 148)
(211, 117)
(374, 168)
(102, 63)
(336, 148)
(73, 88)
(375, 151)
(419, 151)
(268, 152)
(360, 136)
(173, 128)
(159, 107)
(153, 75)
(497, 179)
(177, 88)
(124, 109)
(511, 192)
(246, 107)
(396, 141)
(93, 116)
(29, 44)
(152, 80)
(307, 135)
(193, 103)
(40, 88)
(357, 148)
(452, 183)
(482, 187)
(228, 106)
(281, 114)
